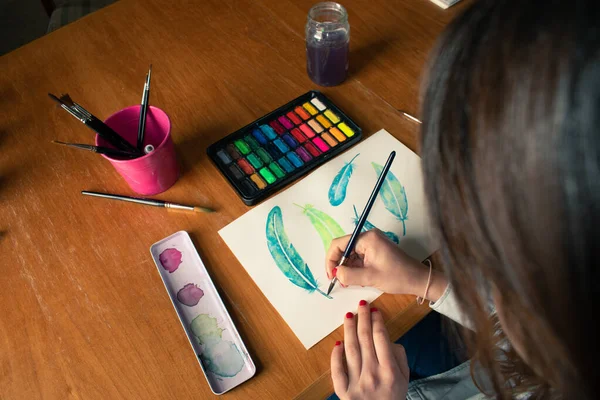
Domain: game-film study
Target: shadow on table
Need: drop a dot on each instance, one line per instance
(361, 57)
(192, 149)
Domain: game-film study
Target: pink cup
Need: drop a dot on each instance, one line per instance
(154, 172)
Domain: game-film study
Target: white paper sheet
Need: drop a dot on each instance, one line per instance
(310, 315)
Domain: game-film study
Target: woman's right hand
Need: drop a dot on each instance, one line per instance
(379, 263)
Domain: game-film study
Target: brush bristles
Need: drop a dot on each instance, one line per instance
(66, 99)
(203, 210)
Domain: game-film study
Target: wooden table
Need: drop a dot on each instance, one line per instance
(83, 312)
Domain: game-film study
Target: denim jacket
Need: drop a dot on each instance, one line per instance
(455, 384)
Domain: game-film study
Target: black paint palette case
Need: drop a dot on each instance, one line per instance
(284, 145)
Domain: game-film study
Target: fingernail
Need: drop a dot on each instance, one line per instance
(343, 284)
(338, 343)
(334, 272)
(349, 315)
(373, 309)
(362, 303)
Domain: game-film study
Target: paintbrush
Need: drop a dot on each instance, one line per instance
(103, 130)
(414, 119)
(98, 149)
(148, 202)
(363, 217)
(144, 111)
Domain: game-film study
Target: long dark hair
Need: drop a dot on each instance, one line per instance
(511, 153)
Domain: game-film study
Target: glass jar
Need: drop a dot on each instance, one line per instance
(327, 43)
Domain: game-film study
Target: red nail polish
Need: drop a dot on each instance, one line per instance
(349, 315)
(338, 343)
(362, 303)
(373, 309)
(334, 272)
(343, 284)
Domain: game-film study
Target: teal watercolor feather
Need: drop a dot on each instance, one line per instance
(368, 226)
(285, 255)
(326, 226)
(337, 190)
(393, 195)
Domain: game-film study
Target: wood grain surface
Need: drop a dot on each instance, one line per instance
(83, 312)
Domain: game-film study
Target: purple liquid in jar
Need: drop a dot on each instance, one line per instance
(327, 44)
(327, 66)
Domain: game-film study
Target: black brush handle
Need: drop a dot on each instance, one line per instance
(106, 133)
(369, 205)
(107, 151)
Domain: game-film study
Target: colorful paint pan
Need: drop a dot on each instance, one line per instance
(302, 113)
(279, 173)
(346, 129)
(277, 127)
(309, 133)
(258, 181)
(312, 149)
(332, 117)
(304, 155)
(336, 133)
(323, 121)
(317, 103)
(284, 145)
(254, 160)
(287, 124)
(310, 108)
(329, 139)
(242, 146)
(315, 126)
(298, 135)
(200, 309)
(294, 118)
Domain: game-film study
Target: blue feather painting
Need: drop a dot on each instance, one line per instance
(282, 247)
(337, 190)
(368, 226)
(285, 255)
(393, 195)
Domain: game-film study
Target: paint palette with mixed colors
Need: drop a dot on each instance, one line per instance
(216, 342)
(282, 146)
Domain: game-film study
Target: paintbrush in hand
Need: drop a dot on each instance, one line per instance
(363, 217)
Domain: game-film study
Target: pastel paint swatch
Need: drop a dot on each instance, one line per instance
(212, 335)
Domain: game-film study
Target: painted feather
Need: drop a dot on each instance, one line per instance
(326, 226)
(285, 255)
(368, 226)
(393, 196)
(337, 190)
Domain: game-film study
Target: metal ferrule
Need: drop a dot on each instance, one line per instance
(179, 207)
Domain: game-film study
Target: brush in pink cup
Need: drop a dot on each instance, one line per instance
(151, 173)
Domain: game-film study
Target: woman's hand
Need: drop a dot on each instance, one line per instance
(380, 263)
(373, 367)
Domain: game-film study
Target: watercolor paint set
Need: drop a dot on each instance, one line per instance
(216, 342)
(273, 151)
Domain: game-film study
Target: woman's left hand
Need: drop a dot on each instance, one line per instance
(373, 367)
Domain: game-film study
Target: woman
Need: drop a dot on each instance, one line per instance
(511, 159)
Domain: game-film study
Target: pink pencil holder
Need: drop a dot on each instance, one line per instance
(156, 171)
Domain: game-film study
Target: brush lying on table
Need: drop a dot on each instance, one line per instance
(148, 202)
(103, 130)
